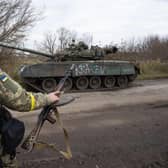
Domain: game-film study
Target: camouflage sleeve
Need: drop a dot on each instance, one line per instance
(13, 96)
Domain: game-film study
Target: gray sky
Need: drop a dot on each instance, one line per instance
(106, 20)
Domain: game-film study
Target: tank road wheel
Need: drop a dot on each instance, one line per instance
(49, 84)
(122, 81)
(82, 83)
(68, 84)
(95, 82)
(109, 81)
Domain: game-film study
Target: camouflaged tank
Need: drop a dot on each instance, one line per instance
(91, 71)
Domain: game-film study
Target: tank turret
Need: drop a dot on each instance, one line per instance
(81, 52)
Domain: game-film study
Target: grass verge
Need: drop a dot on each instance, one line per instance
(153, 70)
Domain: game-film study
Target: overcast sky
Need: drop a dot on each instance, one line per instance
(106, 20)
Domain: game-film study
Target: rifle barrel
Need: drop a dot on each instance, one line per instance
(62, 81)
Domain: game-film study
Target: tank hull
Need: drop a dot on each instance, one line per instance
(88, 72)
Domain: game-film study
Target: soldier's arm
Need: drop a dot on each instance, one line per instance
(13, 96)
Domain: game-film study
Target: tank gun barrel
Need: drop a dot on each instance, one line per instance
(26, 50)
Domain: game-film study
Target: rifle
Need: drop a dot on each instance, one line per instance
(31, 140)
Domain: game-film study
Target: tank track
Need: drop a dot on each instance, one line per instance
(38, 87)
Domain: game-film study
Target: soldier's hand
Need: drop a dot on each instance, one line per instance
(54, 96)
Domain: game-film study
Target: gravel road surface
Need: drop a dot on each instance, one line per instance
(125, 128)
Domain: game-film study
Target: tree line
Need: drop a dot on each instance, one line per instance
(149, 48)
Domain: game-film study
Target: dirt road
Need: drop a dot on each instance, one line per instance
(116, 129)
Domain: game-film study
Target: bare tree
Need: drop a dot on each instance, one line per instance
(63, 36)
(73, 35)
(16, 17)
(49, 44)
(87, 38)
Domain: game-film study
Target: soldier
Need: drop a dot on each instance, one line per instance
(13, 96)
(82, 46)
(72, 45)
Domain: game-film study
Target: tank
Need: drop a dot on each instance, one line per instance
(91, 70)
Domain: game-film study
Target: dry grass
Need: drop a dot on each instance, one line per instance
(153, 69)
(13, 64)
